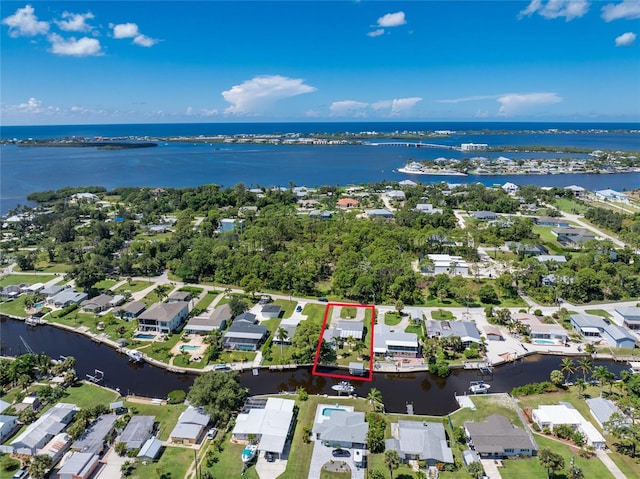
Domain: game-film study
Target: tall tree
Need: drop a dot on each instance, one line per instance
(601, 373)
(281, 335)
(392, 461)
(568, 367)
(218, 393)
(585, 365)
(550, 460)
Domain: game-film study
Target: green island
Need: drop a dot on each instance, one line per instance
(464, 275)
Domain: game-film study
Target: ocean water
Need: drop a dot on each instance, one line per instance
(26, 170)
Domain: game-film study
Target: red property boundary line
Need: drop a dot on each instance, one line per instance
(315, 372)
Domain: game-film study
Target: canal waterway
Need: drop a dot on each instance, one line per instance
(429, 394)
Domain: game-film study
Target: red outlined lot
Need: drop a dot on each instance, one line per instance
(367, 377)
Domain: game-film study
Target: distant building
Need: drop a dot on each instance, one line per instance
(485, 215)
(346, 203)
(379, 213)
(473, 146)
(629, 315)
(427, 208)
(81, 465)
(594, 327)
(612, 195)
(564, 414)
(447, 264)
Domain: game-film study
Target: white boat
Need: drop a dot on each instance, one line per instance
(478, 387)
(343, 387)
(249, 452)
(135, 356)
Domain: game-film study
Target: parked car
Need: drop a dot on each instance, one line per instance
(270, 456)
(298, 309)
(340, 453)
(265, 299)
(20, 474)
(211, 434)
(324, 300)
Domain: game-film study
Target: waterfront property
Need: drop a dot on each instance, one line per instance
(267, 421)
(94, 439)
(66, 298)
(137, 432)
(602, 409)
(387, 342)
(131, 310)
(97, 304)
(612, 195)
(417, 440)
(163, 317)
(340, 426)
(190, 427)
(497, 438)
(244, 336)
(206, 322)
(629, 316)
(40, 432)
(596, 328)
(551, 416)
(467, 331)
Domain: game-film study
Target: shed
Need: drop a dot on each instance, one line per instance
(151, 449)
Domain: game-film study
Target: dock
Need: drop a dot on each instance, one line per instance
(410, 408)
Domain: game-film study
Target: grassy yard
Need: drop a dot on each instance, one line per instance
(570, 206)
(598, 312)
(25, 278)
(392, 318)
(324, 474)
(236, 356)
(166, 416)
(46, 267)
(173, 464)
(87, 395)
(548, 239)
(104, 285)
(287, 307)
(133, 287)
(15, 307)
(8, 466)
(314, 312)
(160, 350)
(227, 461)
(442, 315)
(207, 300)
(347, 312)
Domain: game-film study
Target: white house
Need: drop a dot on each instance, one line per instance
(628, 315)
(163, 317)
(394, 343)
(612, 195)
(40, 432)
(510, 188)
(447, 264)
(190, 426)
(550, 416)
(7, 426)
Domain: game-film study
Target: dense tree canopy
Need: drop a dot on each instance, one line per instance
(218, 393)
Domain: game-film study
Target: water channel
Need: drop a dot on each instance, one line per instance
(429, 394)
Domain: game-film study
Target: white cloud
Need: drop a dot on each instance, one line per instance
(381, 105)
(24, 23)
(130, 30)
(402, 105)
(626, 39)
(75, 22)
(569, 9)
(392, 20)
(628, 9)
(350, 108)
(78, 48)
(376, 33)
(125, 30)
(515, 102)
(255, 95)
(468, 98)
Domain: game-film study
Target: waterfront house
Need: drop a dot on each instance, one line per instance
(551, 416)
(97, 304)
(244, 336)
(350, 329)
(269, 422)
(424, 441)
(379, 213)
(150, 450)
(207, 322)
(83, 198)
(8, 424)
(190, 427)
(493, 333)
(467, 331)
(66, 298)
(612, 195)
(510, 188)
(95, 438)
(387, 342)
(38, 433)
(407, 183)
(80, 465)
(602, 409)
(271, 311)
(628, 315)
(473, 146)
(485, 215)
(34, 288)
(340, 426)
(594, 327)
(11, 291)
(163, 317)
(578, 191)
(550, 334)
(138, 431)
(497, 438)
(131, 310)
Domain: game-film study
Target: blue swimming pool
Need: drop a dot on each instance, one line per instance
(551, 342)
(328, 410)
(144, 336)
(186, 347)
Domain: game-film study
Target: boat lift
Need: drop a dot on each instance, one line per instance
(97, 376)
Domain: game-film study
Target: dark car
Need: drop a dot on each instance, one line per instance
(270, 456)
(324, 300)
(340, 453)
(298, 309)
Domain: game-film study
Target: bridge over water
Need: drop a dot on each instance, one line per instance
(409, 144)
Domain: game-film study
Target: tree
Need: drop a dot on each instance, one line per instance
(488, 295)
(39, 466)
(376, 474)
(556, 377)
(399, 307)
(127, 468)
(581, 384)
(568, 367)
(375, 398)
(218, 393)
(392, 461)
(237, 306)
(585, 365)
(281, 335)
(550, 460)
(475, 469)
(305, 340)
(601, 374)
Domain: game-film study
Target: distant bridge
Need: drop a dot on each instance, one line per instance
(408, 144)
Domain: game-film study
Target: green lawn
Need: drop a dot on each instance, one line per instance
(348, 312)
(287, 307)
(548, 239)
(227, 462)
(442, 315)
(104, 285)
(314, 312)
(166, 416)
(598, 312)
(324, 474)
(173, 464)
(8, 466)
(570, 206)
(392, 318)
(87, 395)
(46, 267)
(25, 278)
(133, 287)
(207, 300)
(15, 307)
(236, 356)
(159, 350)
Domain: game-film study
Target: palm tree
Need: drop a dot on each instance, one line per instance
(374, 397)
(601, 373)
(281, 335)
(581, 384)
(586, 366)
(568, 367)
(392, 461)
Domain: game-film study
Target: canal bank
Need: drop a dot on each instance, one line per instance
(429, 394)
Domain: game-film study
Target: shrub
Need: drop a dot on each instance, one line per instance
(177, 396)
(534, 388)
(537, 312)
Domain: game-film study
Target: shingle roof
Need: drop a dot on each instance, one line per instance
(498, 434)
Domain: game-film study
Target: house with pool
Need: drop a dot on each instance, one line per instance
(339, 426)
(163, 318)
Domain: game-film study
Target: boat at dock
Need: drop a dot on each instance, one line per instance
(249, 452)
(634, 367)
(134, 356)
(343, 387)
(478, 387)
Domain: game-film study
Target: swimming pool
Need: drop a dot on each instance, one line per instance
(186, 347)
(550, 342)
(144, 336)
(328, 410)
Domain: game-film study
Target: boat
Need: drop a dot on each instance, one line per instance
(343, 387)
(478, 387)
(135, 356)
(634, 367)
(249, 452)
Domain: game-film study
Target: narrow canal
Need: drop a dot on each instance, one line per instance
(429, 394)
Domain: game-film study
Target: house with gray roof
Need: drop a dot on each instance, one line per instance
(244, 336)
(387, 342)
(379, 213)
(206, 322)
(164, 317)
(602, 409)
(628, 315)
(131, 310)
(545, 258)
(40, 432)
(138, 431)
(79, 466)
(97, 304)
(467, 331)
(246, 317)
(150, 450)
(551, 221)
(485, 215)
(190, 426)
(426, 441)
(8, 425)
(340, 426)
(594, 327)
(179, 296)
(427, 208)
(52, 290)
(497, 438)
(350, 329)
(271, 310)
(10, 291)
(66, 298)
(4, 405)
(94, 439)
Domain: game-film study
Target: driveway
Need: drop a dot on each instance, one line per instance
(112, 464)
(322, 455)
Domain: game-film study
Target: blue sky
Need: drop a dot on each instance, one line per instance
(207, 61)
